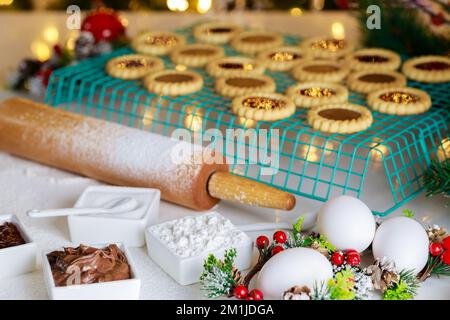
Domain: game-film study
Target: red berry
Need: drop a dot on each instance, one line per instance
(435, 249)
(277, 249)
(240, 292)
(280, 237)
(350, 251)
(446, 243)
(337, 258)
(262, 242)
(445, 257)
(353, 258)
(249, 298)
(256, 294)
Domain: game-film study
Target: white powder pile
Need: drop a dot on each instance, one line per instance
(193, 235)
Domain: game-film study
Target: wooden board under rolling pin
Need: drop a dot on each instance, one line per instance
(130, 157)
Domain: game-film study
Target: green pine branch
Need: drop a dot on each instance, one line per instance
(436, 178)
(402, 30)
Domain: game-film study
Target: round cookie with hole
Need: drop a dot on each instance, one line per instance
(312, 94)
(430, 69)
(157, 42)
(173, 83)
(133, 66)
(252, 42)
(216, 32)
(320, 71)
(263, 106)
(340, 118)
(326, 47)
(234, 66)
(399, 101)
(373, 59)
(282, 58)
(196, 55)
(369, 81)
(236, 86)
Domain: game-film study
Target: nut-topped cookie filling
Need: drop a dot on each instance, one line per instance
(137, 63)
(317, 92)
(263, 103)
(400, 97)
(161, 40)
(339, 114)
(284, 56)
(329, 44)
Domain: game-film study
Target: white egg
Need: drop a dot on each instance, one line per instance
(404, 241)
(292, 267)
(347, 223)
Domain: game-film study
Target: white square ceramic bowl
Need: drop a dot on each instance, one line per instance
(112, 290)
(126, 228)
(187, 270)
(19, 259)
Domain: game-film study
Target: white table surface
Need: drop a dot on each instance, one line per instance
(25, 185)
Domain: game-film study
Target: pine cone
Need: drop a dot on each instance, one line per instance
(237, 276)
(383, 273)
(320, 249)
(297, 293)
(436, 233)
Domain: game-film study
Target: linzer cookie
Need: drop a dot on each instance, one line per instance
(327, 48)
(196, 55)
(252, 42)
(369, 81)
(10, 236)
(374, 59)
(399, 100)
(215, 32)
(157, 42)
(263, 106)
(428, 69)
(282, 58)
(236, 86)
(326, 71)
(234, 66)
(173, 83)
(133, 66)
(311, 94)
(340, 118)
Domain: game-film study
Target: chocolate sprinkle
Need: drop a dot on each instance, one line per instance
(10, 236)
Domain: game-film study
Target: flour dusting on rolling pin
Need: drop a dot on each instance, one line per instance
(125, 156)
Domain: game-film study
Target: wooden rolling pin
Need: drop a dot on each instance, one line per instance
(120, 155)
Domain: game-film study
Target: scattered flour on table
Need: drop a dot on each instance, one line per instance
(193, 235)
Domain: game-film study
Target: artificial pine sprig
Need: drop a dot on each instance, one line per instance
(436, 178)
(217, 278)
(404, 289)
(434, 266)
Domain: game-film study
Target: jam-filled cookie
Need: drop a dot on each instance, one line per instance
(311, 94)
(173, 83)
(252, 42)
(340, 118)
(234, 66)
(196, 55)
(157, 42)
(374, 59)
(326, 71)
(133, 66)
(369, 81)
(327, 48)
(215, 32)
(399, 101)
(263, 106)
(428, 69)
(236, 86)
(282, 58)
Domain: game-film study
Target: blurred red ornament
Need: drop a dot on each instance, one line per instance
(277, 249)
(256, 294)
(280, 237)
(337, 258)
(240, 292)
(343, 4)
(104, 24)
(438, 19)
(445, 257)
(446, 243)
(435, 249)
(353, 258)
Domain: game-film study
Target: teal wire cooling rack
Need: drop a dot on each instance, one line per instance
(393, 152)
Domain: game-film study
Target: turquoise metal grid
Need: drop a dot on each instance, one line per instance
(311, 163)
